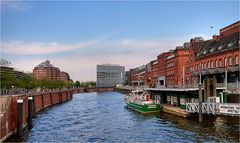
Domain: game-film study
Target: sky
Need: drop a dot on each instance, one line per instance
(77, 35)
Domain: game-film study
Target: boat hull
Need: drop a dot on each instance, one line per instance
(144, 109)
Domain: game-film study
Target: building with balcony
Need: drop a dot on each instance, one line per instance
(45, 70)
(64, 76)
(109, 75)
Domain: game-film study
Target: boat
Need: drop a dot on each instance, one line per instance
(140, 101)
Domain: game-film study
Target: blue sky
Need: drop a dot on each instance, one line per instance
(76, 36)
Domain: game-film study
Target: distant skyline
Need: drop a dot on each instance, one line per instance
(78, 35)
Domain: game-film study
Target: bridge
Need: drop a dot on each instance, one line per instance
(230, 109)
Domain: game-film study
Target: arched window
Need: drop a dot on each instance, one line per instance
(236, 60)
(230, 61)
(220, 63)
(200, 66)
(225, 62)
(211, 64)
(205, 66)
(208, 64)
(216, 62)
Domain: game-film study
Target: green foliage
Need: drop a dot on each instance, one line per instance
(7, 80)
(26, 81)
(88, 84)
(77, 84)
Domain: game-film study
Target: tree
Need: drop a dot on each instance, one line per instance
(7, 80)
(25, 81)
(77, 84)
(4, 62)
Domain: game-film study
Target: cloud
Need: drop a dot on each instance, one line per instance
(31, 48)
(15, 5)
(81, 66)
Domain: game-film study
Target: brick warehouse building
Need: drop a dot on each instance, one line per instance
(64, 76)
(216, 57)
(151, 74)
(175, 67)
(136, 76)
(46, 70)
(181, 67)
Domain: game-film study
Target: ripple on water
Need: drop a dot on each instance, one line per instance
(103, 117)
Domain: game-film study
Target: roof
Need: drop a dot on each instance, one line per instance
(234, 68)
(211, 47)
(177, 89)
(171, 89)
(45, 64)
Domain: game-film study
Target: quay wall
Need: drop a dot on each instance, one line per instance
(10, 121)
(92, 89)
(9, 109)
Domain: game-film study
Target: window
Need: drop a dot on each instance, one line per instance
(230, 61)
(229, 45)
(225, 62)
(220, 47)
(216, 62)
(208, 65)
(220, 63)
(205, 66)
(211, 64)
(211, 50)
(236, 60)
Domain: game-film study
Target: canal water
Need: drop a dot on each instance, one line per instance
(103, 117)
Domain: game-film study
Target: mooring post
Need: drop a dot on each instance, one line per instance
(42, 98)
(19, 117)
(51, 98)
(30, 111)
(200, 102)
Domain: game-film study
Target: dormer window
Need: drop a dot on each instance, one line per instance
(229, 45)
(220, 47)
(211, 50)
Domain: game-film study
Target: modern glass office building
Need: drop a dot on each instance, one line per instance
(109, 75)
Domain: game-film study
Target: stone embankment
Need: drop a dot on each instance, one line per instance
(17, 111)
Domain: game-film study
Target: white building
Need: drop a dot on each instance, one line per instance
(109, 75)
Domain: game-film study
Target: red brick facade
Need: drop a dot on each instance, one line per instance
(181, 67)
(64, 76)
(45, 70)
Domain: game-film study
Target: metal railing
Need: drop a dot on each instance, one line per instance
(14, 91)
(232, 109)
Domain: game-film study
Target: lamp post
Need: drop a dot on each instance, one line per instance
(200, 97)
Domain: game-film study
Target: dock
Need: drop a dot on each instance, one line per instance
(175, 111)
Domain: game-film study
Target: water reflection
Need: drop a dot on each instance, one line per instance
(103, 117)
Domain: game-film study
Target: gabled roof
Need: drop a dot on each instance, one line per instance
(210, 47)
(45, 65)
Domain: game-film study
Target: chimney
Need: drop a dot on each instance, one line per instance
(47, 61)
(215, 37)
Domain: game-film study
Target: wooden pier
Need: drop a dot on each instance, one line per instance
(175, 110)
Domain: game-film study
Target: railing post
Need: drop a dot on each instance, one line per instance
(200, 103)
(19, 117)
(30, 111)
